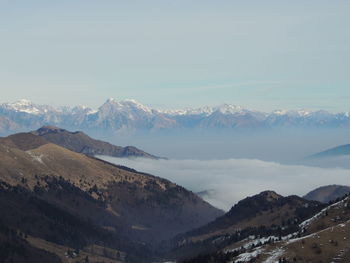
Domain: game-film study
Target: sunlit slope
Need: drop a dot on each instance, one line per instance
(119, 202)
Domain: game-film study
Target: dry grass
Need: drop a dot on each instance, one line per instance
(94, 253)
(266, 218)
(327, 240)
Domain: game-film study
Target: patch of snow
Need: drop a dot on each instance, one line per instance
(90, 112)
(24, 105)
(274, 256)
(247, 256)
(135, 104)
(229, 109)
(35, 157)
(261, 240)
(290, 241)
(307, 222)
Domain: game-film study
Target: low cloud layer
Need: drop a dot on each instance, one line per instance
(228, 181)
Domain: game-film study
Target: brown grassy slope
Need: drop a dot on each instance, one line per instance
(265, 209)
(94, 253)
(327, 239)
(322, 238)
(14, 248)
(264, 214)
(23, 141)
(152, 207)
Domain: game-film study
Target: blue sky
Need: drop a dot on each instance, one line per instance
(260, 54)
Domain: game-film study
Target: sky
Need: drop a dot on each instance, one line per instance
(172, 54)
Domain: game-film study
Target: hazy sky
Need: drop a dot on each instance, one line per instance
(174, 53)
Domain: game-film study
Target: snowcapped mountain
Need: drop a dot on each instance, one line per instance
(130, 115)
(25, 106)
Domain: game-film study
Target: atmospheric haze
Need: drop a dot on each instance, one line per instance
(285, 145)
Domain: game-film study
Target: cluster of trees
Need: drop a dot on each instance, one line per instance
(218, 257)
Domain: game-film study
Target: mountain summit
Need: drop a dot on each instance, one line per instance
(82, 143)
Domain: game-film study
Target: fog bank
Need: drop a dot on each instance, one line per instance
(228, 181)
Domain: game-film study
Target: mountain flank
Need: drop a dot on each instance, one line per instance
(67, 201)
(325, 194)
(323, 237)
(82, 143)
(267, 213)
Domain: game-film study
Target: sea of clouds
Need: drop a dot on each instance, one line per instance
(228, 181)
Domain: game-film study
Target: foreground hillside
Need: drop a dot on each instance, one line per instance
(324, 237)
(264, 214)
(66, 201)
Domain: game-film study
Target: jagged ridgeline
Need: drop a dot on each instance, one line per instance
(130, 115)
(59, 204)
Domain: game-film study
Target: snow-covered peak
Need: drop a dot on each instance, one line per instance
(189, 111)
(131, 103)
(201, 111)
(23, 102)
(23, 105)
(109, 100)
(280, 112)
(82, 109)
(229, 109)
(206, 110)
(127, 106)
(292, 113)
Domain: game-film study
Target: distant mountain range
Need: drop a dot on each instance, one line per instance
(129, 115)
(332, 152)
